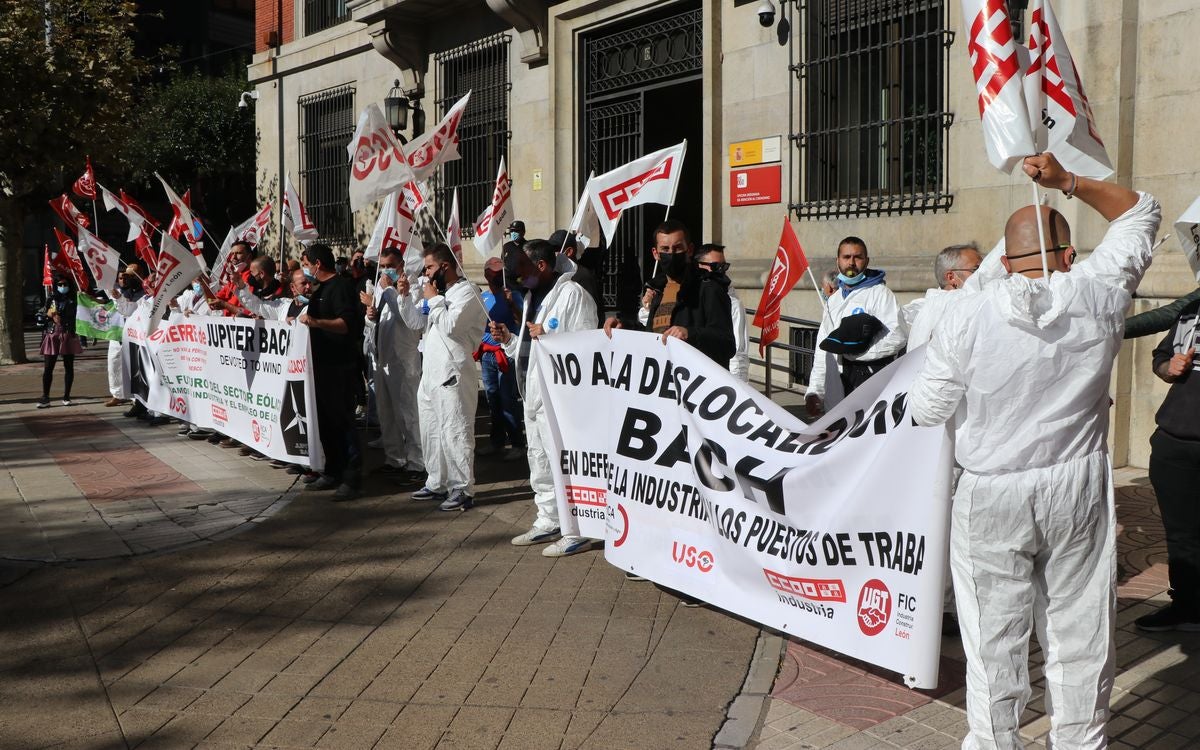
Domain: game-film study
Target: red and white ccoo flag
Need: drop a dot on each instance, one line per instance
(252, 229)
(653, 178)
(996, 68)
(1059, 112)
(47, 276)
(177, 268)
(102, 260)
(85, 186)
(295, 217)
(440, 145)
(489, 227)
(790, 264)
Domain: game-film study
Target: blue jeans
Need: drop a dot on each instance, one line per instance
(501, 391)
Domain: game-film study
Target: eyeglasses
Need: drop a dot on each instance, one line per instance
(1054, 249)
(717, 267)
(972, 269)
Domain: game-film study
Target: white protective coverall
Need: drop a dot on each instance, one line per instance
(922, 315)
(397, 378)
(875, 300)
(116, 366)
(1033, 534)
(267, 309)
(565, 309)
(449, 388)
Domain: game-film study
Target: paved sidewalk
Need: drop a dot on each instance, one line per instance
(159, 592)
(297, 622)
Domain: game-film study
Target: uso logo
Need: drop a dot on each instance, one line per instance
(874, 607)
(692, 557)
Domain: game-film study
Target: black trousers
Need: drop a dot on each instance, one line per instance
(1175, 475)
(335, 419)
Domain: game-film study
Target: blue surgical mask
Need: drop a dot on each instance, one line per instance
(851, 280)
(301, 299)
(513, 236)
(63, 288)
(197, 288)
(309, 273)
(392, 273)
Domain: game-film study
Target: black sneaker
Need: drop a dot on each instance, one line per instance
(324, 482)
(43, 403)
(1170, 617)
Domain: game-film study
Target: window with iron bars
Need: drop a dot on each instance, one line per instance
(326, 126)
(480, 67)
(873, 120)
(321, 14)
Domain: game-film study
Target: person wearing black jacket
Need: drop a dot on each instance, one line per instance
(59, 339)
(1175, 471)
(682, 301)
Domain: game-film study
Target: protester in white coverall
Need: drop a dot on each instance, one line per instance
(1033, 534)
(554, 304)
(128, 291)
(859, 290)
(397, 373)
(953, 268)
(451, 314)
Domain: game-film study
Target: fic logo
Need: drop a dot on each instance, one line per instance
(874, 607)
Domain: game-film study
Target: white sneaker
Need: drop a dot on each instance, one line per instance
(536, 536)
(570, 545)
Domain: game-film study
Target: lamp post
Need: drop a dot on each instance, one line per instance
(395, 109)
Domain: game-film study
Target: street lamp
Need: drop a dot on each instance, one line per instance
(395, 108)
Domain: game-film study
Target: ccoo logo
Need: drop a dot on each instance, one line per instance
(691, 556)
(874, 607)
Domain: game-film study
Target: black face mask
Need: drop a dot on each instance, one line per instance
(676, 265)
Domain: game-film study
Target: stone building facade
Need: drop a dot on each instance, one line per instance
(860, 116)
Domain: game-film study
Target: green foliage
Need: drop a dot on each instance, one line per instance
(69, 76)
(191, 128)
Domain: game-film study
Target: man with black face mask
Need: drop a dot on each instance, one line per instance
(125, 296)
(681, 302)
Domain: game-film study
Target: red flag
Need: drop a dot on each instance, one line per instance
(68, 261)
(184, 227)
(128, 200)
(85, 186)
(790, 264)
(145, 251)
(47, 276)
(66, 211)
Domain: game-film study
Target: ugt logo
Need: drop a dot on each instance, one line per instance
(874, 607)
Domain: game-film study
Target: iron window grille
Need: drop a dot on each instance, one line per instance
(480, 67)
(873, 135)
(326, 126)
(649, 53)
(322, 14)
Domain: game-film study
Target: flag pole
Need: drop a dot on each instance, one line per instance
(824, 300)
(1037, 207)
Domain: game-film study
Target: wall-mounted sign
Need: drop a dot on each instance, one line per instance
(757, 151)
(751, 187)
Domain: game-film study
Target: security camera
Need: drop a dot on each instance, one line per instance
(242, 100)
(766, 14)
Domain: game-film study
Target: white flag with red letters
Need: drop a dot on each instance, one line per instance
(177, 268)
(1059, 112)
(996, 68)
(393, 227)
(489, 227)
(454, 231)
(103, 261)
(438, 146)
(585, 224)
(1187, 229)
(251, 230)
(377, 162)
(653, 178)
(295, 217)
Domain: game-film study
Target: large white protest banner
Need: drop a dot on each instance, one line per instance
(245, 378)
(833, 532)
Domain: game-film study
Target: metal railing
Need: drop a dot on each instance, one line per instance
(326, 126)
(800, 350)
(873, 130)
(480, 67)
(321, 14)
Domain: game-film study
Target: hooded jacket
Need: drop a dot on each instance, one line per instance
(1031, 361)
(870, 296)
